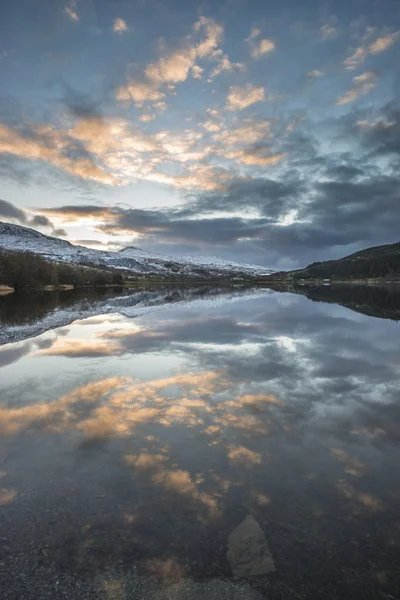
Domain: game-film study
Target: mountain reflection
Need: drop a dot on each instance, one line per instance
(146, 440)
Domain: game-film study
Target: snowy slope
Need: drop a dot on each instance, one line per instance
(16, 237)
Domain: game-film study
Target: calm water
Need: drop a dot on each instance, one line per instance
(139, 437)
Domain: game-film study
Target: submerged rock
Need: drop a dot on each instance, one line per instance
(248, 551)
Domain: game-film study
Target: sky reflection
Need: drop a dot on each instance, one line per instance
(184, 420)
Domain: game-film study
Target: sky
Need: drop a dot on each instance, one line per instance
(264, 132)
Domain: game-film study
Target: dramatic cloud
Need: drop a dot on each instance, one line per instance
(262, 47)
(139, 92)
(44, 142)
(363, 84)
(9, 212)
(383, 43)
(197, 72)
(174, 67)
(259, 47)
(259, 156)
(225, 65)
(220, 154)
(242, 97)
(120, 25)
(379, 45)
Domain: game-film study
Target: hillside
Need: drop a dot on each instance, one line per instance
(378, 262)
(132, 260)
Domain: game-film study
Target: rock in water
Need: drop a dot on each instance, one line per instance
(248, 551)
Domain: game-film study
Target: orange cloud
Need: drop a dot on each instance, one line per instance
(120, 25)
(74, 348)
(242, 97)
(363, 84)
(379, 45)
(262, 47)
(174, 67)
(255, 157)
(71, 13)
(50, 145)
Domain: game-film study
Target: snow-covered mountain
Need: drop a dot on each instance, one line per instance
(136, 260)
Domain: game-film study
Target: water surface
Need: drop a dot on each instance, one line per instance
(140, 437)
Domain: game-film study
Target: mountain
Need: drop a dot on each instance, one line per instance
(133, 260)
(378, 262)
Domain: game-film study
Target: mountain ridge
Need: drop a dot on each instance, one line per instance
(375, 262)
(130, 259)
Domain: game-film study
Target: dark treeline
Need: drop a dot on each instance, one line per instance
(374, 267)
(24, 309)
(374, 301)
(378, 262)
(24, 270)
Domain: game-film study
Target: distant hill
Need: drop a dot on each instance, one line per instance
(378, 262)
(132, 261)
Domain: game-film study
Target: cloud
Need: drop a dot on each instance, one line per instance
(254, 33)
(225, 65)
(120, 25)
(9, 211)
(379, 45)
(70, 11)
(197, 72)
(147, 117)
(71, 348)
(174, 67)
(105, 151)
(208, 47)
(71, 213)
(358, 56)
(328, 30)
(363, 84)
(315, 73)
(46, 143)
(139, 92)
(211, 126)
(250, 131)
(241, 97)
(383, 43)
(381, 136)
(256, 156)
(262, 47)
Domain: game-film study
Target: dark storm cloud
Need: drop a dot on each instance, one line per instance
(13, 354)
(41, 221)
(343, 172)
(80, 210)
(9, 211)
(165, 226)
(271, 198)
(383, 136)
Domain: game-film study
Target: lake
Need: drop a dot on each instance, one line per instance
(137, 430)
